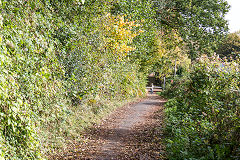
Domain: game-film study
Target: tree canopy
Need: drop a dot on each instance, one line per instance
(230, 46)
(200, 23)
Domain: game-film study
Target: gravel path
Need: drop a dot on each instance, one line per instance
(131, 132)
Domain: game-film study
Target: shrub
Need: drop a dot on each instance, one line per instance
(59, 69)
(203, 116)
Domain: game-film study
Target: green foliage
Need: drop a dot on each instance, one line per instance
(60, 68)
(169, 51)
(201, 24)
(143, 13)
(31, 79)
(230, 46)
(203, 113)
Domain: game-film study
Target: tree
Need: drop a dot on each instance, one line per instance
(230, 46)
(169, 54)
(200, 23)
(142, 12)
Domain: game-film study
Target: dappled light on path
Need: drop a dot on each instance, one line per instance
(132, 132)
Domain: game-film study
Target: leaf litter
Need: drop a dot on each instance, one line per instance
(134, 131)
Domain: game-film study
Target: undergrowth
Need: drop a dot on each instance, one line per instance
(202, 113)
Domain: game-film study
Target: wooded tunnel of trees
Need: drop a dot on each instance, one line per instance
(64, 64)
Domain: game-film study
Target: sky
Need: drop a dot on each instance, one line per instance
(233, 15)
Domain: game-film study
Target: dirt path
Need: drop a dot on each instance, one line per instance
(131, 132)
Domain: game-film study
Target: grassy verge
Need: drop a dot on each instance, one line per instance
(57, 143)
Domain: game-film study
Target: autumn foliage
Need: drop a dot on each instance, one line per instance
(65, 64)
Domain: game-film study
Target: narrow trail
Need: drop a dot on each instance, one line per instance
(131, 132)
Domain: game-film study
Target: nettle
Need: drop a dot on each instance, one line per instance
(205, 118)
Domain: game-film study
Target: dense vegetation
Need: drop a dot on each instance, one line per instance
(61, 66)
(230, 46)
(203, 112)
(66, 63)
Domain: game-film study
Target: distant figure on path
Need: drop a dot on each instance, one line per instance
(151, 89)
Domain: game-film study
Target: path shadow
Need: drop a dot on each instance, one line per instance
(143, 141)
(140, 142)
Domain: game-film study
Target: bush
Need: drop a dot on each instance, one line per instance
(60, 70)
(203, 116)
